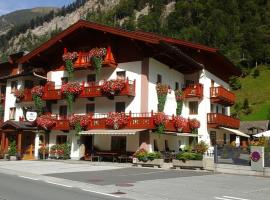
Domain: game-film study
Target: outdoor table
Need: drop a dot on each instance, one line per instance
(108, 154)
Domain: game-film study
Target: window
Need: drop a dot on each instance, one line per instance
(120, 107)
(118, 143)
(3, 91)
(63, 111)
(28, 84)
(14, 85)
(64, 80)
(61, 139)
(90, 108)
(212, 108)
(224, 138)
(155, 145)
(12, 112)
(193, 107)
(176, 85)
(166, 146)
(189, 82)
(213, 138)
(223, 111)
(121, 75)
(216, 109)
(159, 78)
(91, 78)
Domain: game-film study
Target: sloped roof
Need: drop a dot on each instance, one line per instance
(245, 126)
(18, 125)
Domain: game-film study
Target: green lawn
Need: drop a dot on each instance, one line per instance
(257, 91)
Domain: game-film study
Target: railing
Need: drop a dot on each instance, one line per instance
(135, 121)
(27, 95)
(89, 90)
(193, 90)
(222, 96)
(216, 120)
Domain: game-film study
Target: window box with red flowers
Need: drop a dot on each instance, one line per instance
(68, 58)
(37, 93)
(79, 122)
(113, 87)
(46, 122)
(96, 55)
(179, 101)
(180, 123)
(70, 90)
(162, 91)
(117, 120)
(160, 120)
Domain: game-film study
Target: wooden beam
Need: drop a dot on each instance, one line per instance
(3, 139)
(19, 143)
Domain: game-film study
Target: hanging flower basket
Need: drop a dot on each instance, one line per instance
(194, 124)
(113, 87)
(70, 90)
(79, 122)
(180, 123)
(37, 93)
(69, 58)
(19, 94)
(179, 95)
(116, 120)
(96, 55)
(162, 91)
(46, 122)
(160, 120)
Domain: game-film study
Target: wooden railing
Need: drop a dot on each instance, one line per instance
(89, 90)
(193, 90)
(216, 120)
(135, 121)
(222, 96)
(27, 95)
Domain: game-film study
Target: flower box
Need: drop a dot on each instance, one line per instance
(152, 163)
(188, 164)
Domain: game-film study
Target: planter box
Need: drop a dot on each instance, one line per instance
(12, 158)
(188, 164)
(153, 163)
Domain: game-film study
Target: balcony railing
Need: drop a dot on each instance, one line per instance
(193, 91)
(135, 121)
(222, 96)
(88, 90)
(216, 120)
(27, 95)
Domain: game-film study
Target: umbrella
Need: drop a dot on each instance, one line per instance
(265, 134)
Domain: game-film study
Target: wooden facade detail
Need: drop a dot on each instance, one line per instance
(193, 91)
(216, 120)
(222, 96)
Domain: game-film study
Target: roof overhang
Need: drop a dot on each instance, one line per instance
(236, 132)
(120, 132)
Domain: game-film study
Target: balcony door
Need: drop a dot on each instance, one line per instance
(120, 107)
(91, 78)
(63, 111)
(28, 84)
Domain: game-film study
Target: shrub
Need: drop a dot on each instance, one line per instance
(256, 73)
(12, 149)
(246, 108)
(234, 83)
(189, 156)
(201, 147)
(144, 156)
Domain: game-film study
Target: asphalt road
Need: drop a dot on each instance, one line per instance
(18, 188)
(126, 175)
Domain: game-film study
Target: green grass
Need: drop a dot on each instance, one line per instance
(257, 91)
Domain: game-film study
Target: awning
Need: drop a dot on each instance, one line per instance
(181, 134)
(111, 132)
(237, 132)
(265, 134)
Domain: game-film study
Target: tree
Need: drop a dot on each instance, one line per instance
(246, 108)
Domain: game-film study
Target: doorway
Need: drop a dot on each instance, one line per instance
(87, 141)
(28, 146)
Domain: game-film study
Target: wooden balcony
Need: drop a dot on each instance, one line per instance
(222, 96)
(88, 90)
(216, 120)
(193, 91)
(27, 95)
(135, 121)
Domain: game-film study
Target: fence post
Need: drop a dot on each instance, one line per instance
(215, 154)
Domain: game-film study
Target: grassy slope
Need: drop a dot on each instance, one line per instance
(257, 90)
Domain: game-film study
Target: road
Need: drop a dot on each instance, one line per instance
(19, 188)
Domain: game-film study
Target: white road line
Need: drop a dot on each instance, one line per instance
(111, 195)
(68, 186)
(29, 178)
(221, 198)
(235, 198)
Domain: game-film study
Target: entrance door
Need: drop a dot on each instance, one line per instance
(28, 146)
(87, 141)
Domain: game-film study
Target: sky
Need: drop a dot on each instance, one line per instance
(7, 6)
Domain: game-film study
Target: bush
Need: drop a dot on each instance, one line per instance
(201, 147)
(143, 155)
(234, 83)
(12, 149)
(256, 73)
(61, 151)
(246, 108)
(189, 156)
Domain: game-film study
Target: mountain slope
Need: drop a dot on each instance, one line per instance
(22, 17)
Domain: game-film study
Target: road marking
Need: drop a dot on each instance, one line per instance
(29, 178)
(229, 198)
(138, 174)
(111, 195)
(68, 186)
(235, 198)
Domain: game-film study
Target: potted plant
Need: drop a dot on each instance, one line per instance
(144, 158)
(69, 58)
(160, 120)
(79, 122)
(43, 152)
(180, 123)
(162, 91)
(116, 120)
(97, 55)
(70, 91)
(19, 94)
(188, 160)
(12, 151)
(194, 124)
(37, 93)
